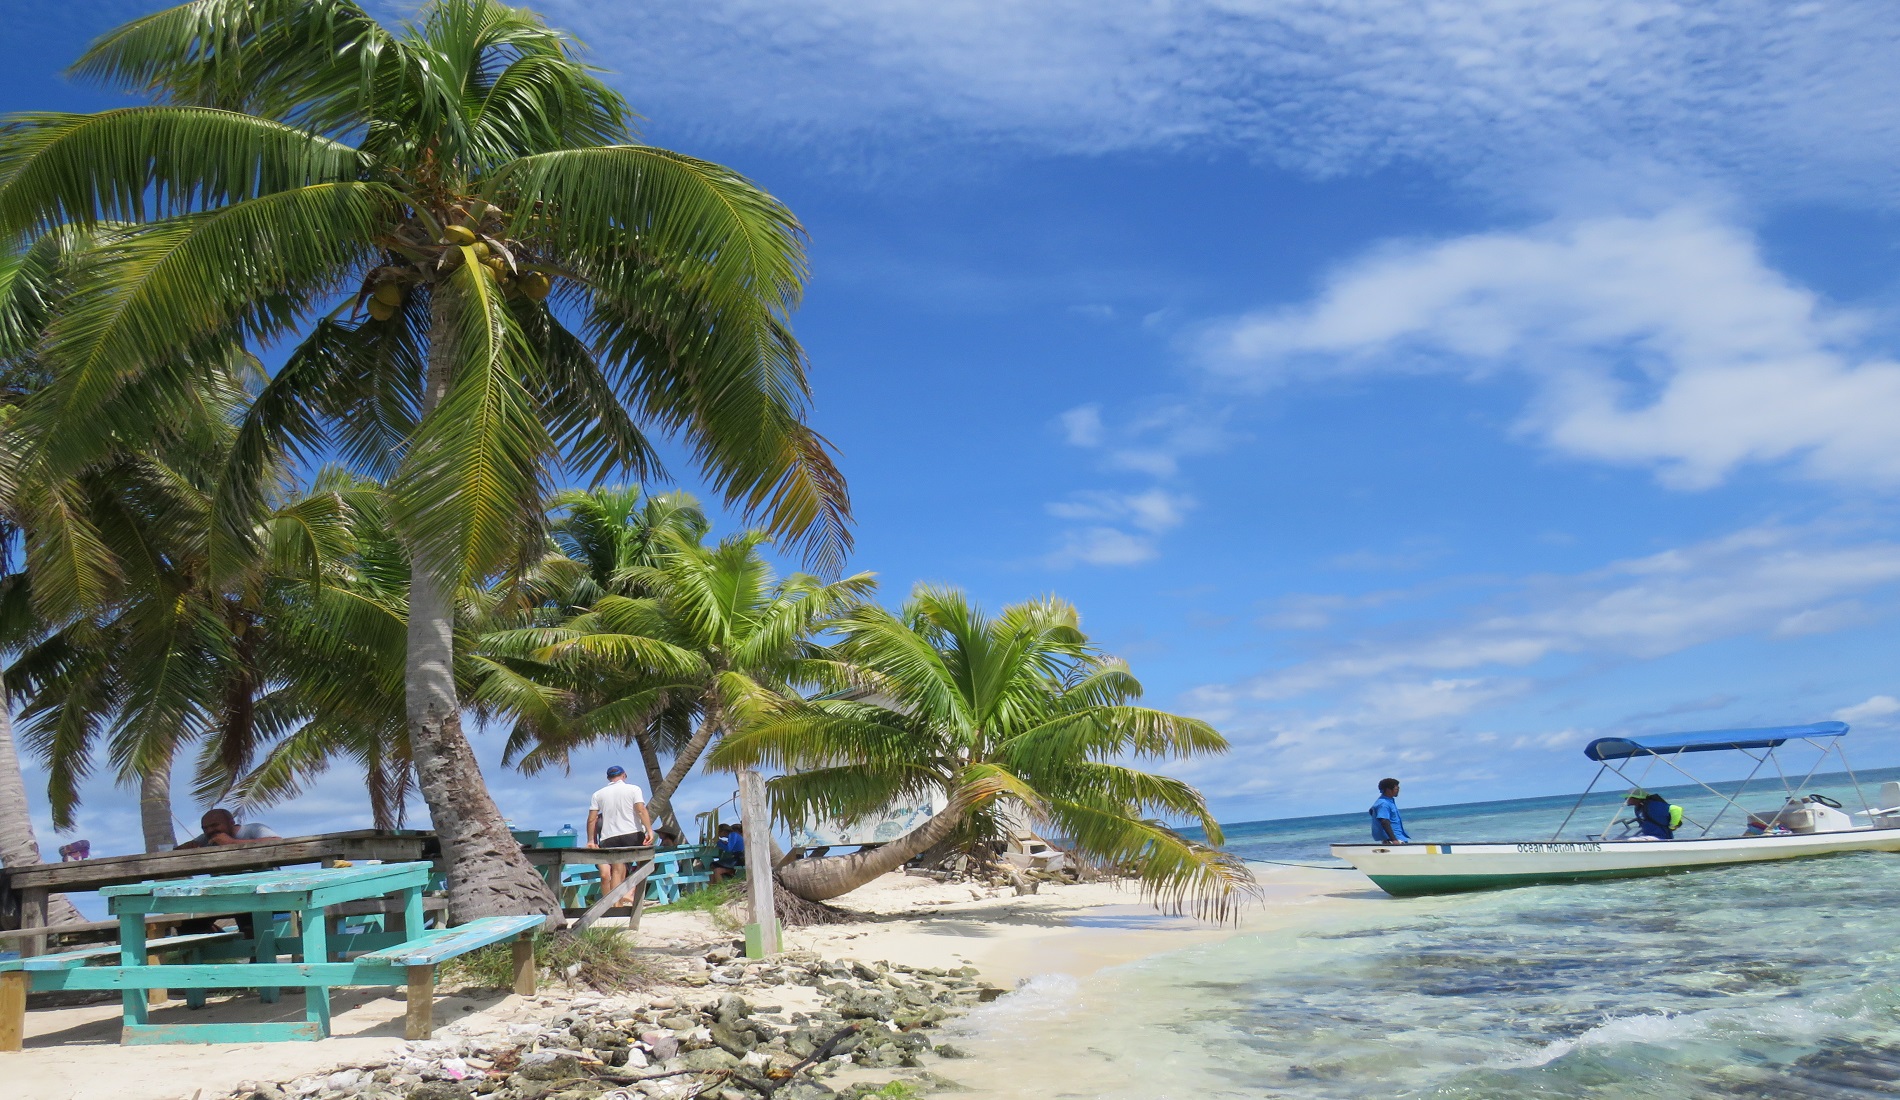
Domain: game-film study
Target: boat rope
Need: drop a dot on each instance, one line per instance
(1285, 863)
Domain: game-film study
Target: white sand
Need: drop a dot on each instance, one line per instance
(73, 1053)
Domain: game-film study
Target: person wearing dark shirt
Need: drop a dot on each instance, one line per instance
(1652, 815)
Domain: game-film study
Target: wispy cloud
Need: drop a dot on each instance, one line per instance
(1800, 96)
(1116, 528)
(1754, 581)
(1120, 527)
(1661, 341)
(1393, 697)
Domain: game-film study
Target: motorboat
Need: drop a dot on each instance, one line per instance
(1803, 825)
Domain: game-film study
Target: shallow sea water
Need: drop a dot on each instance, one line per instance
(1773, 980)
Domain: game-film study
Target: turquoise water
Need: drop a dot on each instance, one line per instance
(1774, 980)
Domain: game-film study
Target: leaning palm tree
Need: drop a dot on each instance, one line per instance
(720, 637)
(481, 277)
(1020, 713)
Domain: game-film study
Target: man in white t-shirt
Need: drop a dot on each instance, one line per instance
(617, 819)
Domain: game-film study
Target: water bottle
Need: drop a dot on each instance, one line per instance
(567, 830)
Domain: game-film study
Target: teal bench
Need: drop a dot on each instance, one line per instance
(420, 954)
(36, 973)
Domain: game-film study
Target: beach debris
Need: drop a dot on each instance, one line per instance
(730, 1039)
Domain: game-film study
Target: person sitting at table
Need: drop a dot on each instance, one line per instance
(221, 827)
(731, 853)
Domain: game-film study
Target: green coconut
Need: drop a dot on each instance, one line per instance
(534, 285)
(389, 294)
(459, 235)
(381, 310)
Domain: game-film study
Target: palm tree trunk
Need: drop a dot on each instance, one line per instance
(819, 879)
(487, 874)
(18, 846)
(650, 762)
(155, 808)
(486, 871)
(661, 804)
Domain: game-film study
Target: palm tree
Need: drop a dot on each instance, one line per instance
(172, 658)
(539, 290)
(599, 536)
(1017, 712)
(26, 289)
(721, 637)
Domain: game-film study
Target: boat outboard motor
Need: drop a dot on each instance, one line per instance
(1887, 811)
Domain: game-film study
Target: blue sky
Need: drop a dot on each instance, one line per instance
(1410, 389)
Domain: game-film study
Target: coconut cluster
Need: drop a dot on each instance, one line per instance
(474, 235)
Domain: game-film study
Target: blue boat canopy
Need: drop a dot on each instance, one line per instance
(1669, 744)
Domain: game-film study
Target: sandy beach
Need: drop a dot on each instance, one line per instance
(73, 1053)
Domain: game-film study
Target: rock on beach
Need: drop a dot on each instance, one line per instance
(724, 1036)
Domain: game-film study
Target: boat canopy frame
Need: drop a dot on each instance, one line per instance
(1758, 745)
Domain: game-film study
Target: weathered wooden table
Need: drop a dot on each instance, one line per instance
(24, 890)
(262, 894)
(407, 957)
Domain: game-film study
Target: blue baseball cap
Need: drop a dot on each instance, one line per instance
(615, 771)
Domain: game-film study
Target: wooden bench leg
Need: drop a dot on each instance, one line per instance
(33, 910)
(419, 1021)
(264, 926)
(524, 964)
(155, 996)
(13, 1010)
(316, 948)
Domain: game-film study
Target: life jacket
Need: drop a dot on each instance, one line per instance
(1675, 818)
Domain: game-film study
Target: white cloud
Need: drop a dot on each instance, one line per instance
(1082, 426)
(1155, 510)
(1103, 546)
(1802, 96)
(1661, 341)
(1874, 708)
(1152, 442)
(1120, 526)
(1750, 582)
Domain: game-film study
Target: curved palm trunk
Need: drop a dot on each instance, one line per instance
(155, 808)
(486, 872)
(661, 804)
(820, 879)
(650, 763)
(19, 847)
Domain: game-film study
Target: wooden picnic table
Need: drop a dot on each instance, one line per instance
(24, 891)
(322, 961)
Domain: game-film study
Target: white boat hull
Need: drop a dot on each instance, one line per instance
(1427, 868)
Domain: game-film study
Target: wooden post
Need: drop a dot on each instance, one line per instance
(131, 953)
(33, 915)
(13, 1010)
(524, 964)
(762, 937)
(419, 1021)
(155, 996)
(316, 949)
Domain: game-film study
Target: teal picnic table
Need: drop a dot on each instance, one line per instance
(407, 957)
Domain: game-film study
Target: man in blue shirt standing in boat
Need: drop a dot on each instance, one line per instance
(1387, 826)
